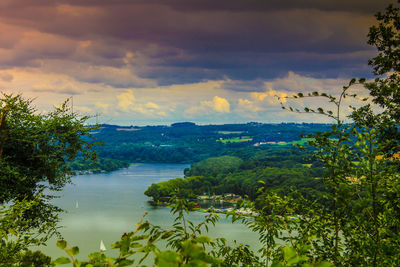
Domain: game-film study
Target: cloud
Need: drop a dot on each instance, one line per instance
(129, 104)
(126, 100)
(102, 106)
(271, 96)
(117, 77)
(218, 104)
(248, 105)
(260, 101)
(368, 6)
(259, 96)
(83, 109)
(243, 85)
(262, 105)
(65, 89)
(6, 77)
(294, 82)
(151, 105)
(144, 43)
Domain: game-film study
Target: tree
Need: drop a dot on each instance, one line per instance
(34, 150)
(361, 162)
(385, 90)
(35, 147)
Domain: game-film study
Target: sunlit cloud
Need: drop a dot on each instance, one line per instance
(151, 105)
(258, 96)
(209, 100)
(248, 105)
(216, 105)
(126, 100)
(219, 104)
(102, 106)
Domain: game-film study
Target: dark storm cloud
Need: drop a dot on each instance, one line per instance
(178, 41)
(245, 86)
(365, 6)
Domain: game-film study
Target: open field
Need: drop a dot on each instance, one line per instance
(237, 139)
(301, 142)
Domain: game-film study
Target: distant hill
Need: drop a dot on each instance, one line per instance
(186, 142)
(183, 124)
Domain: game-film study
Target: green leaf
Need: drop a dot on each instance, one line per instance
(203, 239)
(145, 226)
(125, 242)
(96, 256)
(73, 251)
(61, 244)
(61, 261)
(294, 260)
(277, 264)
(288, 253)
(168, 259)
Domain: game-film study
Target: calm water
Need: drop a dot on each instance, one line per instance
(111, 204)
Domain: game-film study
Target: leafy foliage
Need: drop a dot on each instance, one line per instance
(34, 151)
(35, 147)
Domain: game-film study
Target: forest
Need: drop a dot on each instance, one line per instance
(187, 142)
(281, 169)
(332, 202)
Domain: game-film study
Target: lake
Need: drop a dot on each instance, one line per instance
(110, 204)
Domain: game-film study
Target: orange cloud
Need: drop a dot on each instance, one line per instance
(218, 104)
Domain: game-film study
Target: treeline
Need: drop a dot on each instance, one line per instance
(101, 164)
(280, 169)
(189, 143)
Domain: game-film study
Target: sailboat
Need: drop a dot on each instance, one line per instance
(102, 247)
(76, 204)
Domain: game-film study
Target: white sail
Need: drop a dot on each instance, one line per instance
(76, 204)
(102, 247)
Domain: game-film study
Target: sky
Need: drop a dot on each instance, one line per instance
(152, 62)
